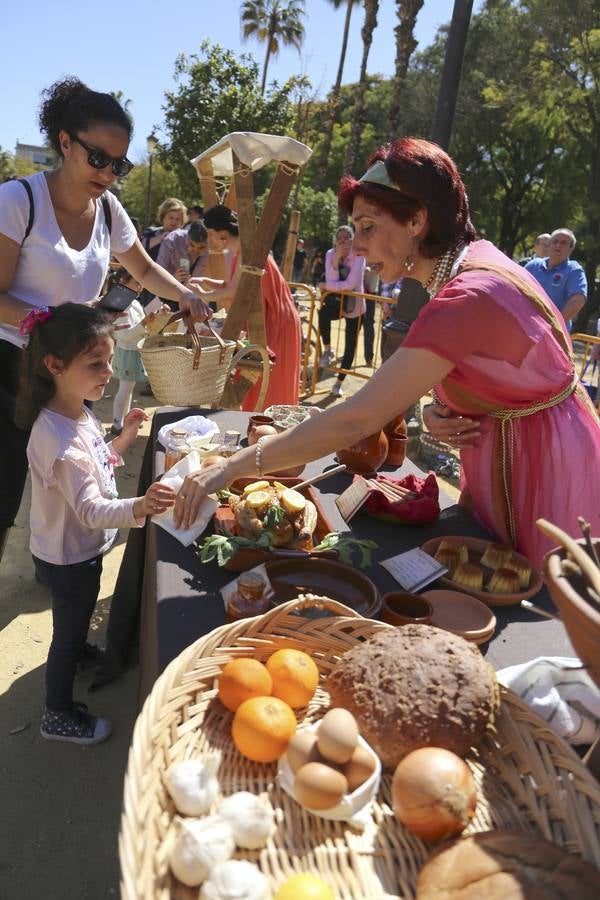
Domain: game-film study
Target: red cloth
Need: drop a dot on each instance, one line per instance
(423, 510)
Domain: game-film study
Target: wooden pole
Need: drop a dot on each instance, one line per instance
(455, 49)
(290, 246)
(210, 198)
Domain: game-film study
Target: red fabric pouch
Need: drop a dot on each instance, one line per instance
(422, 510)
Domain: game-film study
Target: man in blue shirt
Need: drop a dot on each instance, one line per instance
(562, 278)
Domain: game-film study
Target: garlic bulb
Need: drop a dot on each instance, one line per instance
(192, 785)
(250, 817)
(200, 845)
(237, 879)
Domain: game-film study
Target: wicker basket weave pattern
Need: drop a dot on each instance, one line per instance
(168, 359)
(527, 777)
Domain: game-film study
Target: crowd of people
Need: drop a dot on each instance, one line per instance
(487, 337)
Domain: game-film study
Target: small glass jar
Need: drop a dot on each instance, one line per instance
(249, 599)
(177, 447)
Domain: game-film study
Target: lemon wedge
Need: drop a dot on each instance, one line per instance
(292, 501)
(257, 499)
(256, 486)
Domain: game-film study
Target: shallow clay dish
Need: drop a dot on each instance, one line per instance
(477, 548)
(461, 614)
(324, 577)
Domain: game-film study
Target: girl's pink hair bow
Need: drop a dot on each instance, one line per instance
(33, 318)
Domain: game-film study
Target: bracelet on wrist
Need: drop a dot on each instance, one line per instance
(258, 456)
(434, 398)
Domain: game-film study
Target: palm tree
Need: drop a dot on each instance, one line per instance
(335, 94)
(407, 12)
(274, 22)
(366, 32)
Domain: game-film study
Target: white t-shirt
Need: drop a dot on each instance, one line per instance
(75, 510)
(49, 272)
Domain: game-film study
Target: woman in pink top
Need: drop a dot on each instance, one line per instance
(344, 271)
(489, 340)
(75, 509)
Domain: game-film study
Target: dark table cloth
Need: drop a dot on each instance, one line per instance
(179, 598)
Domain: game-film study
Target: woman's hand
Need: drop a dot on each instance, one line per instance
(193, 491)
(203, 285)
(445, 425)
(197, 308)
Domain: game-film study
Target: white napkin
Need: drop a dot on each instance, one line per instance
(174, 477)
(194, 424)
(561, 692)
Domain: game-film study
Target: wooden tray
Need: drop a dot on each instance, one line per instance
(224, 523)
(477, 548)
(527, 777)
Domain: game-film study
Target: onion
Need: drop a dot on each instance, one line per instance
(433, 793)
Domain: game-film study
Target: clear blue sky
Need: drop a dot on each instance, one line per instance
(132, 45)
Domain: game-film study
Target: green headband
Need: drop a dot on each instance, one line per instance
(378, 174)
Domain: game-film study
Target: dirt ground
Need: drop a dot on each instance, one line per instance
(61, 803)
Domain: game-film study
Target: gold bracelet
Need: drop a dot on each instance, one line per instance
(259, 469)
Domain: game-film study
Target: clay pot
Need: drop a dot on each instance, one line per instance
(396, 450)
(365, 456)
(402, 608)
(580, 618)
(257, 431)
(397, 427)
(259, 420)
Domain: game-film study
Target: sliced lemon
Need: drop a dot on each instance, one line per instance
(256, 486)
(257, 499)
(292, 501)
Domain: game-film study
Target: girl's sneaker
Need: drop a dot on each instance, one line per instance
(75, 727)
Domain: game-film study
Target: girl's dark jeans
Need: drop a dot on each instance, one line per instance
(13, 446)
(74, 590)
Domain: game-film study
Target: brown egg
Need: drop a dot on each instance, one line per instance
(260, 431)
(302, 749)
(359, 767)
(337, 736)
(318, 786)
(211, 460)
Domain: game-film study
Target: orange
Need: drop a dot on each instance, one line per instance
(242, 679)
(295, 676)
(262, 728)
(305, 887)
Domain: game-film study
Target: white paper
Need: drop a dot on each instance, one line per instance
(175, 477)
(414, 569)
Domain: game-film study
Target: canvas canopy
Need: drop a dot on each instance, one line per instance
(253, 150)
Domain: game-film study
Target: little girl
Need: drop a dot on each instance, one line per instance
(75, 510)
(128, 366)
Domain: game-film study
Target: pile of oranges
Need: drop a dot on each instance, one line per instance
(263, 698)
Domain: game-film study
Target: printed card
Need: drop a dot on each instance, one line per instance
(414, 569)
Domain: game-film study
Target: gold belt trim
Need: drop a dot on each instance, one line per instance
(507, 436)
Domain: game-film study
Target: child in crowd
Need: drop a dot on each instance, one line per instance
(75, 510)
(128, 367)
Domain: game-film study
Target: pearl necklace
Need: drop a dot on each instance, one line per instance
(442, 270)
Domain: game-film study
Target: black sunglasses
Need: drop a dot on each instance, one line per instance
(98, 159)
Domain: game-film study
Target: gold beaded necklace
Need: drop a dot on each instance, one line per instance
(442, 270)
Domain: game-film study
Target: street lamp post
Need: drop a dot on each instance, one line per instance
(151, 145)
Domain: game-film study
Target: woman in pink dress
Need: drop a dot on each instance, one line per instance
(489, 341)
(282, 322)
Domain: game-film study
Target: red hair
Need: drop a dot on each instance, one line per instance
(428, 179)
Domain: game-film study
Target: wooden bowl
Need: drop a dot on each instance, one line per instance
(580, 618)
(477, 548)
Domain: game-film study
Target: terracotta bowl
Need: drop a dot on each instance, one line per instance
(580, 618)
(403, 608)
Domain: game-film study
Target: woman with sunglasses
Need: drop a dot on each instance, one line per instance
(57, 232)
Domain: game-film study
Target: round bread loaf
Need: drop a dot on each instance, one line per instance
(506, 865)
(415, 686)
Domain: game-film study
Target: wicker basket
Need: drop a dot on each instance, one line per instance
(527, 777)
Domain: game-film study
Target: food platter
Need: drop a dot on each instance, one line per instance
(477, 548)
(286, 416)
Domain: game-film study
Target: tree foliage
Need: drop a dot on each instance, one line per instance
(134, 190)
(217, 93)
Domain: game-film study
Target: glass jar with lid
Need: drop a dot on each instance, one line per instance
(250, 598)
(177, 447)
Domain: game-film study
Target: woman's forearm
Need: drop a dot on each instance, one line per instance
(13, 311)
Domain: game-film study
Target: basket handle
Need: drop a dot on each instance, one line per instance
(311, 601)
(266, 364)
(176, 317)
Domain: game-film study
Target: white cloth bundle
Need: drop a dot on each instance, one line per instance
(199, 425)
(174, 477)
(560, 692)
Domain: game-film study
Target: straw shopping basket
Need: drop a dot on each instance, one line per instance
(527, 777)
(191, 370)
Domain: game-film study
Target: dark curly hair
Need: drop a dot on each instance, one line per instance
(71, 329)
(221, 218)
(69, 105)
(428, 179)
